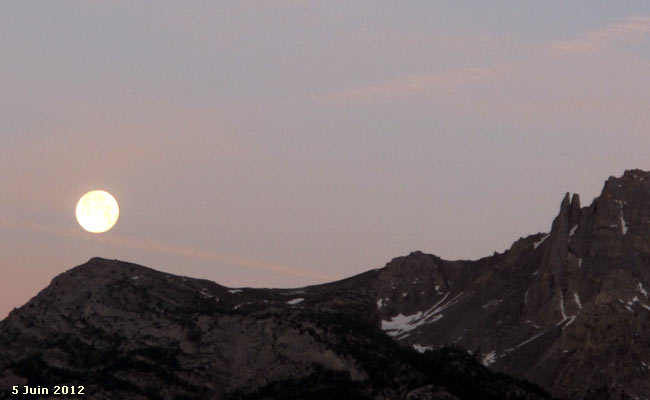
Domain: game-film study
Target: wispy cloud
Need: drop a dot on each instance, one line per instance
(33, 226)
(411, 85)
(634, 27)
(210, 255)
(166, 248)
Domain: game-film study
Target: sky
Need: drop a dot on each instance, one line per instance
(286, 142)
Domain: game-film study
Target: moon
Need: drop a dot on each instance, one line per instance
(97, 211)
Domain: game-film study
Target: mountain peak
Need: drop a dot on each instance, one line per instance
(569, 215)
(531, 310)
(623, 209)
(636, 174)
(634, 183)
(568, 310)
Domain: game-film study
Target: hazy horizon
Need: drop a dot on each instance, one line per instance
(288, 143)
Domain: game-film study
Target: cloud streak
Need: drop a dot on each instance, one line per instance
(166, 248)
(209, 255)
(633, 28)
(412, 85)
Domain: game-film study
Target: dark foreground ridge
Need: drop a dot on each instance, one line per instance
(567, 310)
(130, 332)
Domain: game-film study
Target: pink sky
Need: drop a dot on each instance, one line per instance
(292, 143)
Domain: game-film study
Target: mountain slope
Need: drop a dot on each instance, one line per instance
(567, 310)
(129, 332)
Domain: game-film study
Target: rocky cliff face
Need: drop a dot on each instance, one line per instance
(567, 310)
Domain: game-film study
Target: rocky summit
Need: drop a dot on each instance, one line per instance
(567, 309)
(564, 312)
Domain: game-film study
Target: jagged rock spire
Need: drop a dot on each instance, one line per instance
(569, 216)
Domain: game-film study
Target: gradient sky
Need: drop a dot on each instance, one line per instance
(283, 143)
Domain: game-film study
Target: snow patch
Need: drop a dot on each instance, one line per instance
(526, 297)
(642, 290)
(564, 317)
(137, 277)
(489, 358)
(536, 244)
(492, 303)
(380, 303)
(635, 299)
(570, 318)
(623, 225)
(533, 324)
(295, 301)
(293, 292)
(529, 340)
(420, 348)
(577, 300)
(399, 325)
(204, 292)
(573, 231)
(233, 291)
(579, 262)
(622, 218)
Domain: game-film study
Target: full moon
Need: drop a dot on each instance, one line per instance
(97, 211)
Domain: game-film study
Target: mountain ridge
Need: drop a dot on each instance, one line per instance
(120, 329)
(583, 281)
(566, 310)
